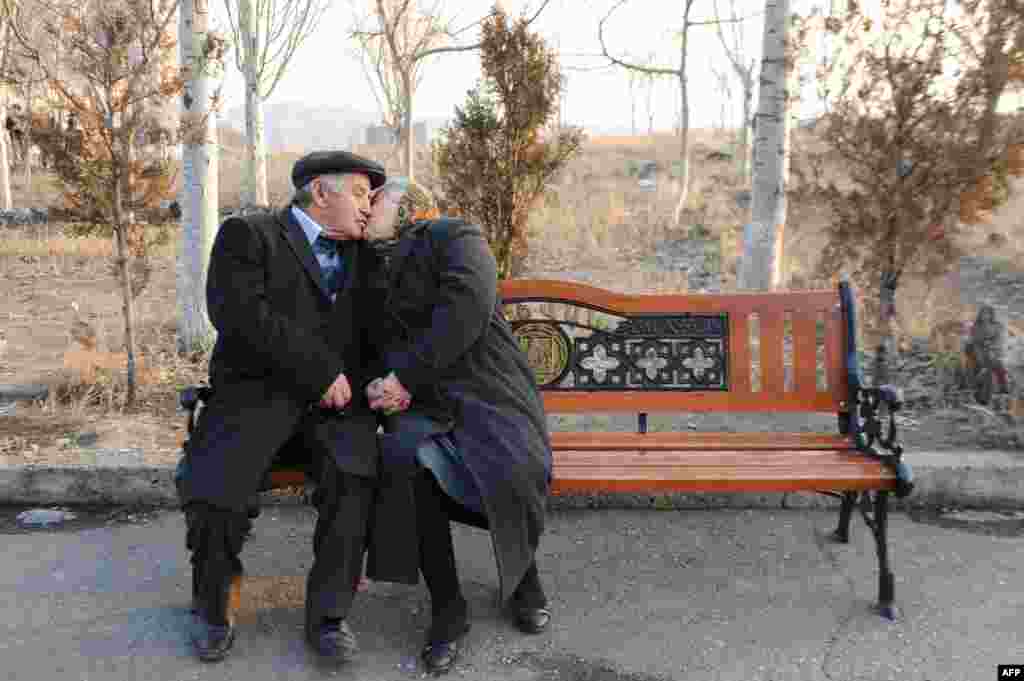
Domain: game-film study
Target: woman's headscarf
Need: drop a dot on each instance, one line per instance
(417, 204)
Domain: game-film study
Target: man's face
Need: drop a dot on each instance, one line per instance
(342, 214)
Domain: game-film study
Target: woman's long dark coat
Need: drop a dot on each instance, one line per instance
(444, 336)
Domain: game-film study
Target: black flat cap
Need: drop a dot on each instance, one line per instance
(333, 162)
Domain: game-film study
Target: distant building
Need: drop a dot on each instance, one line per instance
(382, 134)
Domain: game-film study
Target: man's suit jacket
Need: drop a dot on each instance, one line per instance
(281, 342)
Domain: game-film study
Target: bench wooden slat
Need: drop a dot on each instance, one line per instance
(718, 471)
(796, 459)
(805, 354)
(835, 352)
(739, 354)
(685, 474)
(571, 401)
(287, 478)
(729, 482)
(698, 440)
(773, 380)
(525, 290)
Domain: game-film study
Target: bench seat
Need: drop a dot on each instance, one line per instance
(713, 462)
(718, 471)
(692, 440)
(634, 462)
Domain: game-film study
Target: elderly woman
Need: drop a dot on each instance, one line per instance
(464, 408)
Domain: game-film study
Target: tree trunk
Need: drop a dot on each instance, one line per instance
(26, 144)
(410, 138)
(254, 185)
(632, 102)
(760, 268)
(198, 197)
(743, 152)
(886, 319)
(6, 199)
(684, 125)
(120, 226)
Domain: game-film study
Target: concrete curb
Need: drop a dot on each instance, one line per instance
(969, 479)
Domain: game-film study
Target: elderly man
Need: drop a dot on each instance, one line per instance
(464, 407)
(288, 367)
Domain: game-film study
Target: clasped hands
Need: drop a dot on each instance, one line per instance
(386, 394)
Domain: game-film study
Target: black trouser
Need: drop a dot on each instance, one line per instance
(343, 503)
(216, 536)
(434, 512)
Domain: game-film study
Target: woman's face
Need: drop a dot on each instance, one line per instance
(383, 223)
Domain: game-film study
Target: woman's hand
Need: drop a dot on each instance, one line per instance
(388, 395)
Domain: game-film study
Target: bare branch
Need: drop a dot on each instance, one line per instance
(659, 71)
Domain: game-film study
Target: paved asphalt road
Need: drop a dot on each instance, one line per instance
(637, 596)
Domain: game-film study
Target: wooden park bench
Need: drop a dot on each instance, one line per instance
(593, 351)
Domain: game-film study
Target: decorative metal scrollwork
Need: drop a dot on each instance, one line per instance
(547, 348)
(670, 352)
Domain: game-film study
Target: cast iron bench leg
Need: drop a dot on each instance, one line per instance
(886, 581)
(842, 533)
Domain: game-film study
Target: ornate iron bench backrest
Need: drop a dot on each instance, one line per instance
(595, 350)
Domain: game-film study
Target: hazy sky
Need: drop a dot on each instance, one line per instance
(324, 72)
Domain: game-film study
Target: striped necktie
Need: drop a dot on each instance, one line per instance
(328, 255)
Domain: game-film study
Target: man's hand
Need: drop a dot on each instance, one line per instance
(338, 395)
(388, 394)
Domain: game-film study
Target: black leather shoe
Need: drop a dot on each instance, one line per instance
(440, 656)
(212, 641)
(532, 620)
(334, 640)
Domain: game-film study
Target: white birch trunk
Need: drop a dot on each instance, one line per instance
(743, 151)
(760, 266)
(410, 138)
(254, 182)
(198, 197)
(27, 143)
(6, 199)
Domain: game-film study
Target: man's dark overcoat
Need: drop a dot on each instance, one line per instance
(444, 336)
(281, 342)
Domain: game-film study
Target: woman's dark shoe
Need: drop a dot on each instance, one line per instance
(212, 641)
(440, 656)
(532, 620)
(333, 639)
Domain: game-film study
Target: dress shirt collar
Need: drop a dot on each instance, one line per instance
(309, 226)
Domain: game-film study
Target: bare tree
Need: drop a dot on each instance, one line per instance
(116, 58)
(761, 265)
(744, 70)
(201, 52)
(914, 125)
(266, 35)
(633, 77)
(395, 41)
(665, 71)
(724, 93)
